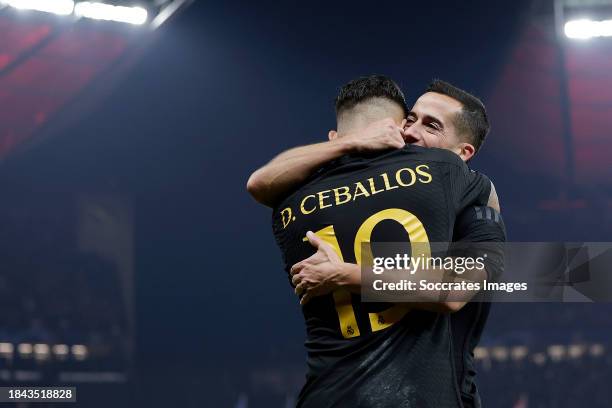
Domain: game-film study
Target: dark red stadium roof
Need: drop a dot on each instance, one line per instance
(527, 112)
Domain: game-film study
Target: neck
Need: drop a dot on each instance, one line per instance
(355, 125)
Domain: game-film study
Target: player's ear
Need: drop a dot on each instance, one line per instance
(332, 134)
(467, 151)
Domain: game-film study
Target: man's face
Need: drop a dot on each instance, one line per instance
(431, 123)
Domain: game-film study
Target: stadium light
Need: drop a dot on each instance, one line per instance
(60, 351)
(25, 349)
(60, 7)
(41, 351)
(576, 350)
(585, 29)
(556, 352)
(481, 353)
(103, 11)
(6, 349)
(79, 352)
(583, 19)
(500, 353)
(519, 352)
(597, 350)
(152, 13)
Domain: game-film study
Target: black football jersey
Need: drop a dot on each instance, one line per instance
(377, 354)
(475, 224)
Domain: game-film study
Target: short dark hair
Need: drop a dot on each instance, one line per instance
(473, 119)
(367, 87)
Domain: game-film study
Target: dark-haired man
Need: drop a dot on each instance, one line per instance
(447, 117)
(444, 117)
(333, 358)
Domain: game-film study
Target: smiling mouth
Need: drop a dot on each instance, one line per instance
(415, 142)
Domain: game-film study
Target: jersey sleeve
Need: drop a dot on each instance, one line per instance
(485, 227)
(468, 188)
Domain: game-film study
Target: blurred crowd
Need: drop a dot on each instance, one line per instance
(568, 383)
(51, 293)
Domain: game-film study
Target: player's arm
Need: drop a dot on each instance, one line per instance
(480, 225)
(324, 272)
(291, 168)
(480, 230)
(493, 199)
(349, 276)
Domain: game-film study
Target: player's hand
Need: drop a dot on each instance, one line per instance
(317, 275)
(380, 135)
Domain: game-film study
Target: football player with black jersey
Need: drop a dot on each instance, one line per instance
(476, 224)
(385, 355)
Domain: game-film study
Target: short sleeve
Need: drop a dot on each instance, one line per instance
(485, 226)
(468, 188)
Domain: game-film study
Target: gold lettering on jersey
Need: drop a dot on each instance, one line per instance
(388, 186)
(360, 190)
(286, 216)
(421, 172)
(373, 186)
(342, 192)
(303, 208)
(398, 177)
(322, 197)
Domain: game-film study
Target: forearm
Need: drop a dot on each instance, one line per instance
(291, 168)
(350, 276)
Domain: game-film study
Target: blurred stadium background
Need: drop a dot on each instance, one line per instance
(134, 264)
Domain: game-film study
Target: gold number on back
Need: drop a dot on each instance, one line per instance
(342, 297)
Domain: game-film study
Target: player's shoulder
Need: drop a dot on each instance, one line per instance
(435, 154)
(444, 158)
(480, 174)
(432, 154)
(491, 193)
